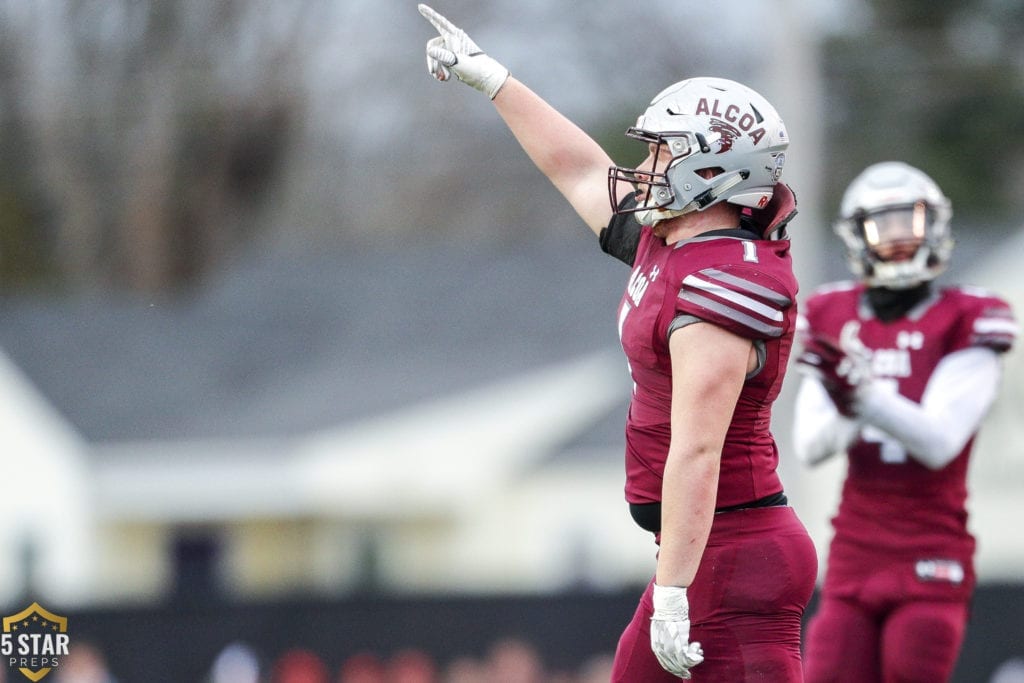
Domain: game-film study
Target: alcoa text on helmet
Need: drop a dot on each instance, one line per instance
(703, 123)
(894, 221)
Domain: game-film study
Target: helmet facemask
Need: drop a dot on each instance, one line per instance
(654, 188)
(896, 244)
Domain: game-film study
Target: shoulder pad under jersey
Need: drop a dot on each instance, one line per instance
(988, 319)
(744, 300)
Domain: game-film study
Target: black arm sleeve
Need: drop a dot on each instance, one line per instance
(622, 235)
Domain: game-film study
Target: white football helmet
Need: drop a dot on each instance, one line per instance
(704, 123)
(894, 221)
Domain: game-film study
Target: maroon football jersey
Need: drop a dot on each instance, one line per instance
(726, 278)
(890, 502)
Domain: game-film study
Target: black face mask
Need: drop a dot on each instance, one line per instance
(891, 304)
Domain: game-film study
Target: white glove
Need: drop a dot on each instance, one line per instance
(455, 52)
(670, 632)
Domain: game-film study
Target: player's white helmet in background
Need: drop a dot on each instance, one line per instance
(705, 123)
(892, 205)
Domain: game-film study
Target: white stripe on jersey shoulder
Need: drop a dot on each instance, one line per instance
(996, 320)
(996, 326)
(746, 285)
(701, 282)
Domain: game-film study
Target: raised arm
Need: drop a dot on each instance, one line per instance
(574, 163)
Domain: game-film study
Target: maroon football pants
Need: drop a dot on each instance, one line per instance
(746, 603)
(883, 618)
(911, 642)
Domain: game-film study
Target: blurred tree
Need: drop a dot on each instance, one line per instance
(939, 85)
(141, 140)
(145, 134)
(21, 252)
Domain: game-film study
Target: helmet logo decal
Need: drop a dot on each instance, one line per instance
(744, 121)
(727, 134)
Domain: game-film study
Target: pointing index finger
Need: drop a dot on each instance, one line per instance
(443, 26)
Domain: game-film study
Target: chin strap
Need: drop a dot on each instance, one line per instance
(699, 203)
(770, 222)
(711, 195)
(651, 217)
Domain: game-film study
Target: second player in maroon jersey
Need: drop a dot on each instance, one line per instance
(901, 374)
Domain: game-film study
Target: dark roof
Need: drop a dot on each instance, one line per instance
(286, 341)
